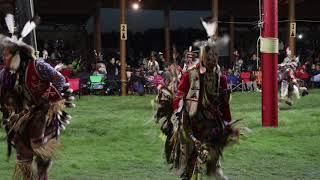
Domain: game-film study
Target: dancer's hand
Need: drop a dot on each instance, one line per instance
(198, 144)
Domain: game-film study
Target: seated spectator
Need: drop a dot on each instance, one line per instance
(252, 84)
(314, 70)
(137, 81)
(258, 75)
(316, 74)
(301, 73)
(238, 66)
(100, 70)
(153, 65)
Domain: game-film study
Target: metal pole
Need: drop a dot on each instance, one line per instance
(269, 64)
(123, 50)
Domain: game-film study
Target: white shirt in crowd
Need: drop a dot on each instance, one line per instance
(153, 66)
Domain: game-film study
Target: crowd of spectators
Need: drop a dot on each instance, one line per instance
(243, 71)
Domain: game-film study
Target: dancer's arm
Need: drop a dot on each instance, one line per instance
(47, 72)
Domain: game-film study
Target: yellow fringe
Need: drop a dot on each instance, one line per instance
(48, 150)
(54, 108)
(22, 171)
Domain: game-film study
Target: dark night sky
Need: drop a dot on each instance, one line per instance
(146, 19)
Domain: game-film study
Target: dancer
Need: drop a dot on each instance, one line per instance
(33, 95)
(199, 126)
(289, 84)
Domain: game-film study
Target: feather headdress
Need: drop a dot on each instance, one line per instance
(210, 27)
(16, 45)
(28, 27)
(10, 23)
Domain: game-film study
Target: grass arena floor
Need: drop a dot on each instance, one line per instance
(116, 138)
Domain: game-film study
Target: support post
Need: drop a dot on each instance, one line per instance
(292, 19)
(123, 50)
(97, 30)
(231, 45)
(269, 49)
(215, 13)
(167, 31)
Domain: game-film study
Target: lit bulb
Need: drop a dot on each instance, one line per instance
(300, 36)
(135, 6)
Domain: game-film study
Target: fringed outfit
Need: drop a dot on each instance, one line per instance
(200, 127)
(32, 115)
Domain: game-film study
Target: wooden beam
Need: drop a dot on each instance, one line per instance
(292, 19)
(232, 41)
(167, 33)
(97, 30)
(215, 13)
(123, 50)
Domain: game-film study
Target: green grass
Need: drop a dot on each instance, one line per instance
(116, 138)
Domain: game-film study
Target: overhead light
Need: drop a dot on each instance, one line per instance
(300, 36)
(135, 6)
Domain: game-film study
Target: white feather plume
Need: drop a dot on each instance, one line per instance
(10, 23)
(220, 42)
(223, 41)
(210, 27)
(28, 27)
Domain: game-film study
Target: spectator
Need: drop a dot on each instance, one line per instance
(314, 70)
(112, 69)
(138, 82)
(252, 64)
(302, 74)
(238, 66)
(153, 65)
(45, 54)
(56, 55)
(252, 84)
(161, 61)
(316, 74)
(100, 71)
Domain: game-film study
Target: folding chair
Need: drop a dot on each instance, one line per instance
(245, 78)
(75, 85)
(95, 84)
(234, 83)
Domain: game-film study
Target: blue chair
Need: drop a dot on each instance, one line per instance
(234, 83)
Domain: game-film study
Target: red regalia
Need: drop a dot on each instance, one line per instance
(198, 125)
(33, 96)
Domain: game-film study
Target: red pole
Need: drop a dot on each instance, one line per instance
(269, 65)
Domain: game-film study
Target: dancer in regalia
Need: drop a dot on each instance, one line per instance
(33, 96)
(198, 126)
